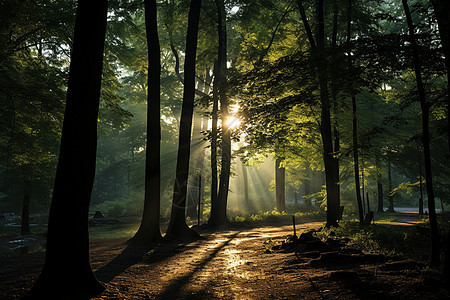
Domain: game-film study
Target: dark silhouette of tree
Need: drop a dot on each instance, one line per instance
(425, 107)
(219, 208)
(177, 225)
(149, 230)
(214, 121)
(318, 52)
(67, 271)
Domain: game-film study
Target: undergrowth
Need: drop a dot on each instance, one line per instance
(379, 239)
(275, 216)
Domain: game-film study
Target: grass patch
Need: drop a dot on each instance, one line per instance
(276, 217)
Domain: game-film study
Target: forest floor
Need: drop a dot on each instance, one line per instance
(240, 262)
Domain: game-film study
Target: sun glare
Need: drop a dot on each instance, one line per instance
(233, 122)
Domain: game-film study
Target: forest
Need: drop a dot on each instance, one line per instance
(226, 149)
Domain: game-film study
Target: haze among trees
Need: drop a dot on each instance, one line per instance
(211, 113)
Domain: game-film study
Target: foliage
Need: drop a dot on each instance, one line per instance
(382, 239)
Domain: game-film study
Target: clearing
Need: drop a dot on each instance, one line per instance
(238, 263)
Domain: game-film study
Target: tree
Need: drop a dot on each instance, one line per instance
(149, 230)
(355, 120)
(73, 277)
(330, 162)
(219, 209)
(177, 225)
(434, 231)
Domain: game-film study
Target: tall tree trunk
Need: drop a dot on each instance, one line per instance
(355, 120)
(177, 224)
(215, 109)
(280, 183)
(219, 213)
(356, 163)
(363, 192)
(67, 270)
(391, 198)
(25, 226)
(149, 230)
(434, 231)
(330, 161)
(337, 146)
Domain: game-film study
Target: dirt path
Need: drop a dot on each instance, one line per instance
(233, 264)
(226, 265)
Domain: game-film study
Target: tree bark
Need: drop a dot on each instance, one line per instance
(177, 225)
(434, 231)
(215, 109)
(149, 230)
(67, 270)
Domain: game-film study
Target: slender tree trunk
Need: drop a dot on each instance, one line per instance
(200, 159)
(434, 231)
(214, 180)
(355, 122)
(67, 270)
(391, 199)
(356, 163)
(337, 146)
(280, 173)
(307, 185)
(380, 197)
(330, 161)
(363, 185)
(219, 213)
(149, 230)
(177, 225)
(25, 227)
(380, 208)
